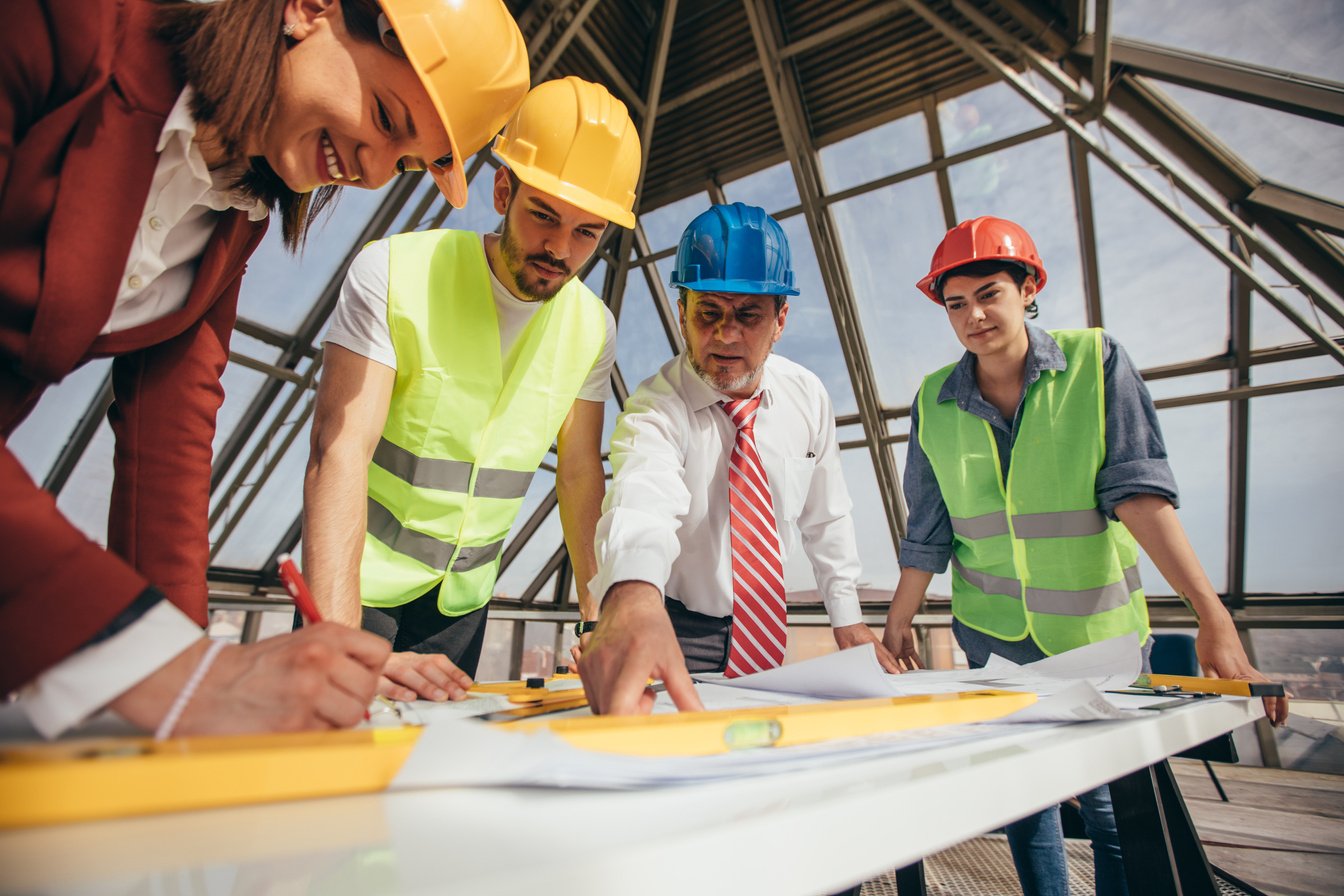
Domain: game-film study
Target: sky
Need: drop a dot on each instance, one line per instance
(1164, 297)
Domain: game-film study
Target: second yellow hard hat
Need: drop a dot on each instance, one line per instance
(574, 140)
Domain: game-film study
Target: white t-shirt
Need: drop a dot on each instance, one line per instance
(359, 322)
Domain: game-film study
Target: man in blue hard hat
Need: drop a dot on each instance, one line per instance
(724, 463)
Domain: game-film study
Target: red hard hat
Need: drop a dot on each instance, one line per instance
(982, 239)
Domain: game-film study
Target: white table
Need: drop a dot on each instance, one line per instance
(802, 833)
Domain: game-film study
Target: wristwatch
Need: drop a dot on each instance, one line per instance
(582, 628)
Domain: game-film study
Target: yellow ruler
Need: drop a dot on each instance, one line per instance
(1196, 685)
(719, 731)
(82, 780)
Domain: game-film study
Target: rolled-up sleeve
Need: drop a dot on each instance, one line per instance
(927, 544)
(1136, 456)
(637, 533)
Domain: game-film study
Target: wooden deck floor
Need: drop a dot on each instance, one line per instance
(1280, 831)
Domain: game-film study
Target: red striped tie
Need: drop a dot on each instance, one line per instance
(759, 631)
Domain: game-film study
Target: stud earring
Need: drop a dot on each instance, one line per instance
(287, 30)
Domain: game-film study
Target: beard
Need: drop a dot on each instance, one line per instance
(535, 289)
(724, 382)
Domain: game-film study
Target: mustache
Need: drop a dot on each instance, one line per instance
(550, 262)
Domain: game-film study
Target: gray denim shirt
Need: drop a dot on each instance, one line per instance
(1135, 462)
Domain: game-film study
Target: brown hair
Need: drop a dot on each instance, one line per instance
(229, 51)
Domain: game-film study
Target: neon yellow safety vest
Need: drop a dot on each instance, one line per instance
(461, 442)
(1035, 557)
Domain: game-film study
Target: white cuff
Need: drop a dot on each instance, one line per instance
(844, 609)
(85, 682)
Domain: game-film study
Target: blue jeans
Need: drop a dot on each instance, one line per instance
(1037, 841)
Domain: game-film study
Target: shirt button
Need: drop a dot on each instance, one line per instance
(155, 223)
(134, 281)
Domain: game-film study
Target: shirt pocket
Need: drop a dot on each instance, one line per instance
(797, 483)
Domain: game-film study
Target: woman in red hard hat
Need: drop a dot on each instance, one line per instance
(143, 146)
(1036, 467)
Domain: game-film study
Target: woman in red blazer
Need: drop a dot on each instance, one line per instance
(143, 146)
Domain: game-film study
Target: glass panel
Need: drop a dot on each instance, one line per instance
(888, 236)
(895, 146)
(1292, 35)
(663, 226)
(1307, 661)
(772, 189)
(1195, 384)
(40, 438)
(1295, 507)
(641, 341)
(1196, 438)
(876, 550)
(88, 492)
(982, 116)
(279, 289)
(1303, 369)
(1164, 296)
(514, 581)
(276, 505)
(1281, 146)
(497, 651)
(809, 331)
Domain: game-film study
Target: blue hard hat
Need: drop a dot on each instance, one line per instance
(735, 248)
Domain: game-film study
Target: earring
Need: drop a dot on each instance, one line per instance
(287, 30)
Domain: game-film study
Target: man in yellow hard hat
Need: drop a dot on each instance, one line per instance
(452, 363)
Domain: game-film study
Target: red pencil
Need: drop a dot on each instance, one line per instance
(298, 589)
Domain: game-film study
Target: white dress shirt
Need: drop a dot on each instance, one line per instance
(359, 322)
(665, 517)
(180, 213)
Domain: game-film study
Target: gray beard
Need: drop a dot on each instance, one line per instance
(719, 382)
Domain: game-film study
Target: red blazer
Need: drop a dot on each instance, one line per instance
(87, 88)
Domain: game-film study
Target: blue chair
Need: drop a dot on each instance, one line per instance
(1174, 654)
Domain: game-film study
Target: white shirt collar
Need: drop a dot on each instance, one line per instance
(180, 127)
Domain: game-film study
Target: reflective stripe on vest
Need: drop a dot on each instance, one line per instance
(466, 427)
(449, 475)
(1033, 556)
(1063, 603)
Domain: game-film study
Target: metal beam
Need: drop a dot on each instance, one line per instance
(1238, 430)
(988, 59)
(786, 101)
(1158, 115)
(936, 149)
(562, 42)
(1320, 382)
(1087, 232)
(1290, 92)
(279, 373)
(1314, 211)
(1101, 58)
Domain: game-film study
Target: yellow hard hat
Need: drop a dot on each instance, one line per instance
(574, 140)
(472, 59)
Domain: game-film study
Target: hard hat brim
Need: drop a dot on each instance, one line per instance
(548, 183)
(453, 182)
(739, 287)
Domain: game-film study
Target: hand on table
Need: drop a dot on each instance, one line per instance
(848, 636)
(900, 640)
(634, 642)
(321, 676)
(1222, 656)
(427, 676)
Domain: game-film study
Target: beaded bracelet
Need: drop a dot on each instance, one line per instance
(165, 728)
